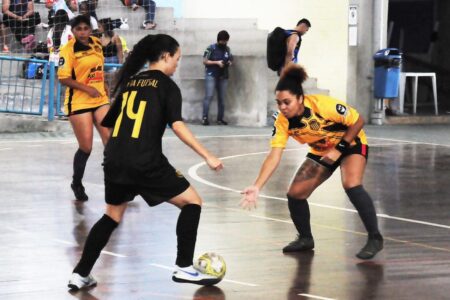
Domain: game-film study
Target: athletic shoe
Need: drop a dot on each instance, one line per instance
(191, 275)
(134, 7)
(205, 121)
(79, 192)
(300, 244)
(222, 122)
(372, 247)
(124, 24)
(77, 282)
(42, 25)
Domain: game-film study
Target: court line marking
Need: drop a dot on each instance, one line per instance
(226, 280)
(3, 149)
(316, 297)
(193, 173)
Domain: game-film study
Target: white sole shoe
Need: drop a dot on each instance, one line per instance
(77, 282)
(191, 275)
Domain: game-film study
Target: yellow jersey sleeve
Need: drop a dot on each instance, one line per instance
(336, 111)
(280, 133)
(66, 59)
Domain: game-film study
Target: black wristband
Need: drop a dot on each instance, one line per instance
(342, 146)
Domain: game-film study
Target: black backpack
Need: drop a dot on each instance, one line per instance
(276, 48)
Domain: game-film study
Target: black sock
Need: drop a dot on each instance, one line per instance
(97, 239)
(300, 215)
(364, 205)
(79, 164)
(187, 226)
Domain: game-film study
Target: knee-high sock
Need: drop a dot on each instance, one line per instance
(79, 164)
(300, 215)
(187, 226)
(97, 239)
(364, 205)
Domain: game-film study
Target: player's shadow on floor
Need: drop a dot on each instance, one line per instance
(301, 279)
(373, 274)
(209, 293)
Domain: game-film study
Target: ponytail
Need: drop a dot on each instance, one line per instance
(148, 49)
(291, 79)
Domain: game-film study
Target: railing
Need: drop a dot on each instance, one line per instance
(24, 90)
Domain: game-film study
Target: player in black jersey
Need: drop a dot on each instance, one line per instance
(134, 163)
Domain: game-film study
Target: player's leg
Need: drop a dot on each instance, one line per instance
(352, 171)
(309, 176)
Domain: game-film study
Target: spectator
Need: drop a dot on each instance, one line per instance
(294, 41)
(217, 59)
(19, 15)
(83, 9)
(61, 33)
(5, 48)
(150, 10)
(111, 44)
(92, 6)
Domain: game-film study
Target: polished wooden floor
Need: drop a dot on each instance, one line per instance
(408, 176)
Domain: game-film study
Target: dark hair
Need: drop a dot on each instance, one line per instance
(223, 36)
(291, 79)
(107, 26)
(304, 21)
(61, 19)
(148, 49)
(79, 20)
(83, 5)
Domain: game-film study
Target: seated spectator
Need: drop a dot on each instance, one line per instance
(111, 43)
(20, 17)
(83, 9)
(60, 34)
(150, 10)
(5, 48)
(70, 6)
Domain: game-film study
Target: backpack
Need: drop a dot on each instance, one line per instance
(276, 48)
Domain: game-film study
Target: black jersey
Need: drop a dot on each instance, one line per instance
(149, 101)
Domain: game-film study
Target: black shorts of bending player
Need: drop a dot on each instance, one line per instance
(157, 191)
(360, 149)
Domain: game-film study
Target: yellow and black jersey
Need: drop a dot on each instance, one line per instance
(85, 65)
(139, 116)
(322, 125)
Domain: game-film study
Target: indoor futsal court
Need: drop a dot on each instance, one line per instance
(44, 229)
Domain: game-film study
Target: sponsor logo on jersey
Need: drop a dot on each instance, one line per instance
(61, 61)
(341, 109)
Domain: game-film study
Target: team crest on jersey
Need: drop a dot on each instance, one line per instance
(341, 109)
(314, 125)
(61, 61)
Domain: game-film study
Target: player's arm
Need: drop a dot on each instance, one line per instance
(186, 136)
(91, 91)
(291, 43)
(269, 166)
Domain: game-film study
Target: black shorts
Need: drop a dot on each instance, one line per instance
(155, 191)
(85, 110)
(361, 149)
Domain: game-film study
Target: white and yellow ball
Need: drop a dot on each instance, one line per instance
(211, 264)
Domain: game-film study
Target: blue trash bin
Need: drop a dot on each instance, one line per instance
(387, 72)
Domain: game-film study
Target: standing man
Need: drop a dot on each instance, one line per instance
(294, 40)
(217, 59)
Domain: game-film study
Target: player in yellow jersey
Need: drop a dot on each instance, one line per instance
(333, 130)
(86, 102)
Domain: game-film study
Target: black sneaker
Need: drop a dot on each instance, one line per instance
(222, 122)
(205, 122)
(300, 244)
(78, 190)
(372, 247)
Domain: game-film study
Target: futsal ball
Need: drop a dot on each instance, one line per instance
(212, 264)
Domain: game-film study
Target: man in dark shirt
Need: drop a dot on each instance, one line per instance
(294, 41)
(217, 59)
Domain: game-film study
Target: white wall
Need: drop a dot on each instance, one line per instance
(324, 47)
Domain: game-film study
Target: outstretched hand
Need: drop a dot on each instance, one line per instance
(250, 199)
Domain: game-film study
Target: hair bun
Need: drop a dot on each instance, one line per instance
(294, 72)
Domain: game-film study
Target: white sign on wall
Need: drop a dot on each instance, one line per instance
(353, 15)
